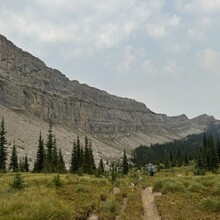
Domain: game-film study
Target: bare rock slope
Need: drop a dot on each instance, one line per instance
(32, 93)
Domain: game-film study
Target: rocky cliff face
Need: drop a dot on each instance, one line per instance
(28, 86)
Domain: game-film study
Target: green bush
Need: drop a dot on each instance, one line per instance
(18, 182)
(199, 172)
(172, 186)
(195, 187)
(57, 181)
(82, 189)
(168, 185)
(110, 205)
(157, 185)
(212, 205)
(217, 190)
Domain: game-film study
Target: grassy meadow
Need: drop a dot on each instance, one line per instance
(45, 196)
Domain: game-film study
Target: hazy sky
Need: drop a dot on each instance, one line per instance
(165, 53)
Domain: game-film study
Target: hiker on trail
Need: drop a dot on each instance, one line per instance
(151, 169)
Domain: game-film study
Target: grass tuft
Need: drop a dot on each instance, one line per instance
(211, 204)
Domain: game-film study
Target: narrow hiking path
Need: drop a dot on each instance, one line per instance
(150, 210)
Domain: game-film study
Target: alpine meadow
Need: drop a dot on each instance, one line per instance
(71, 150)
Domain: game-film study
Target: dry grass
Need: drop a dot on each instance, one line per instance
(188, 197)
(184, 197)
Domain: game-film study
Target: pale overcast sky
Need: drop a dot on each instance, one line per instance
(165, 53)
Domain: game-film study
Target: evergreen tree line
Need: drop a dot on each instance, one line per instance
(208, 155)
(82, 160)
(175, 153)
(50, 160)
(172, 154)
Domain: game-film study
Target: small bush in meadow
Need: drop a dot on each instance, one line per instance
(18, 182)
(212, 205)
(168, 185)
(217, 190)
(157, 185)
(103, 197)
(82, 189)
(195, 187)
(110, 205)
(172, 186)
(57, 181)
(199, 172)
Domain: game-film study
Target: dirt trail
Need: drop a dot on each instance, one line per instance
(150, 210)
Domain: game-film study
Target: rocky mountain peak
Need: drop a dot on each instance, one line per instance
(38, 92)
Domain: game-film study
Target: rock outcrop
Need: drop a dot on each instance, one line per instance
(31, 89)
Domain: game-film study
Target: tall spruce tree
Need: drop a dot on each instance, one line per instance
(21, 165)
(186, 160)
(205, 151)
(81, 159)
(49, 150)
(179, 158)
(214, 159)
(39, 165)
(167, 162)
(61, 168)
(101, 167)
(13, 165)
(79, 154)
(91, 158)
(125, 164)
(74, 164)
(172, 159)
(86, 160)
(55, 156)
(3, 147)
(26, 164)
(218, 147)
(200, 163)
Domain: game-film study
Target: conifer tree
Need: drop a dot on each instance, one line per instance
(86, 160)
(55, 156)
(214, 159)
(101, 168)
(218, 147)
(205, 151)
(13, 166)
(26, 164)
(79, 152)
(200, 163)
(49, 150)
(74, 164)
(3, 148)
(91, 158)
(21, 165)
(39, 165)
(179, 158)
(81, 158)
(113, 172)
(61, 164)
(167, 162)
(125, 164)
(186, 160)
(172, 159)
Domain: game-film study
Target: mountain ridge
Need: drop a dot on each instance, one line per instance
(39, 92)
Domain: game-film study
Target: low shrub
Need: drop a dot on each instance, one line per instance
(57, 181)
(18, 182)
(212, 205)
(168, 185)
(110, 205)
(195, 187)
